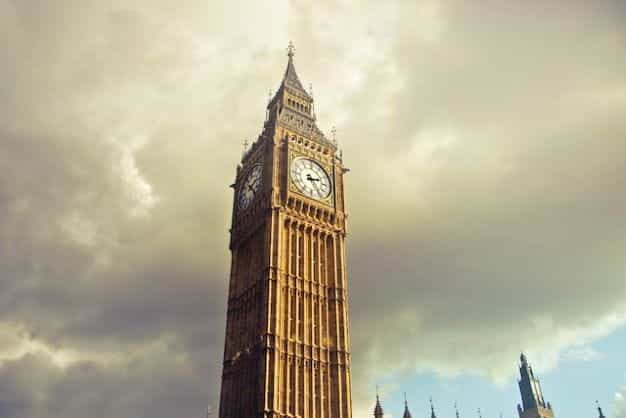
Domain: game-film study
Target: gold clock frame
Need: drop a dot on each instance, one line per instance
(329, 169)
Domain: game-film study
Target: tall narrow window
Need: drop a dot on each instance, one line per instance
(292, 253)
(300, 256)
(314, 276)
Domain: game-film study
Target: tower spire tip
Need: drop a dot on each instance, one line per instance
(291, 50)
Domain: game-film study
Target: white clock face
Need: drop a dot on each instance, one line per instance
(310, 178)
(250, 186)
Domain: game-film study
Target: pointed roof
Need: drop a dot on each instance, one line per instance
(378, 410)
(406, 414)
(290, 79)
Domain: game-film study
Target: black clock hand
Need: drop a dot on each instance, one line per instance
(309, 178)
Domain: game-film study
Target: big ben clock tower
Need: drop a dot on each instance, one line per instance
(287, 342)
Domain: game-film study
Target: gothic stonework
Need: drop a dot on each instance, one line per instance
(287, 342)
(533, 403)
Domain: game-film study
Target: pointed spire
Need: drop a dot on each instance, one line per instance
(432, 408)
(523, 359)
(378, 410)
(406, 414)
(600, 414)
(290, 79)
(456, 410)
(530, 387)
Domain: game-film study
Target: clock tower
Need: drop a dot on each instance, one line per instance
(287, 342)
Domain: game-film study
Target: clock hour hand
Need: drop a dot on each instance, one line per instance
(309, 178)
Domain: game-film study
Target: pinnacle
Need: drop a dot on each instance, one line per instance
(290, 79)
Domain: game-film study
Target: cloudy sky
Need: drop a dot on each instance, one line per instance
(487, 147)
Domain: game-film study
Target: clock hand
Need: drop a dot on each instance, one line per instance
(309, 178)
(319, 192)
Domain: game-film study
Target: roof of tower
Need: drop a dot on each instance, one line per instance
(290, 79)
(303, 122)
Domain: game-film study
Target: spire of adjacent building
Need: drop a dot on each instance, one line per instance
(406, 414)
(530, 388)
(432, 408)
(600, 414)
(533, 403)
(523, 359)
(378, 410)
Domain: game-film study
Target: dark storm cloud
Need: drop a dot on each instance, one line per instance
(487, 156)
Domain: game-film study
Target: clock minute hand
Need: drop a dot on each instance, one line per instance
(309, 178)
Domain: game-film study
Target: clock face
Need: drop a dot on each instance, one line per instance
(250, 186)
(310, 178)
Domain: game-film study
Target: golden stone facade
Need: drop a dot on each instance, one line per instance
(287, 341)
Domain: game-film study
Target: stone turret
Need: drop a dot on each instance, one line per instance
(533, 404)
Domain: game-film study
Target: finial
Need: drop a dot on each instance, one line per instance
(376, 392)
(523, 358)
(432, 407)
(480, 415)
(456, 409)
(333, 132)
(600, 413)
(405, 402)
(269, 96)
(291, 50)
